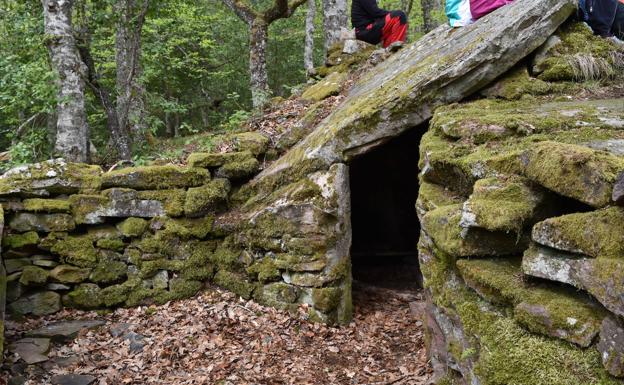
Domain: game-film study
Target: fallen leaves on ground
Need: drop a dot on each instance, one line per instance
(217, 338)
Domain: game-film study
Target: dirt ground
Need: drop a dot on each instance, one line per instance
(217, 338)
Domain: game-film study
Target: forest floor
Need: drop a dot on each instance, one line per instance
(218, 338)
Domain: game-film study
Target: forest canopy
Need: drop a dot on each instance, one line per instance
(187, 59)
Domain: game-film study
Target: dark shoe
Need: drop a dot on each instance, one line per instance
(397, 45)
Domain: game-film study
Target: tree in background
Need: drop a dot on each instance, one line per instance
(258, 23)
(334, 19)
(308, 50)
(72, 138)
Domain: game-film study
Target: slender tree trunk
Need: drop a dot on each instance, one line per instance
(130, 103)
(429, 23)
(334, 18)
(308, 54)
(258, 36)
(72, 139)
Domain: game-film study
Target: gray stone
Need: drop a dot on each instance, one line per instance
(31, 350)
(64, 330)
(601, 277)
(14, 265)
(44, 261)
(57, 287)
(161, 280)
(542, 53)
(618, 190)
(119, 329)
(69, 274)
(60, 362)
(40, 303)
(118, 203)
(72, 379)
(24, 222)
(399, 94)
(156, 177)
(611, 346)
(614, 146)
(137, 342)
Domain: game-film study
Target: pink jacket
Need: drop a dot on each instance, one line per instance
(480, 8)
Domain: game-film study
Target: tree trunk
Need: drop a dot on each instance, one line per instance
(258, 36)
(334, 18)
(130, 102)
(72, 139)
(308, 55)
(429, 23)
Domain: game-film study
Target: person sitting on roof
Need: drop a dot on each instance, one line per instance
(463, 12)
(605, 17)
(374, 25)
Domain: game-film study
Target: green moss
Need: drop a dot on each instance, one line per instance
(16, 241)
(83, 207)
(69, 274)
(150, 268)
(34, 276)
(156, 177)
(580, 56)
(115, 295)
(132, 227)
(46, 205)
(226, 258)
(239, 170)
(215, 160)
(329, 86)
(172, 200)
(234, 283)
(207, 199)
(574, 171)
(265, 270)
(76, 250)
(188, 228)
(278, 294)
(326, 299)
(109, 272)
(85, 296)
(516, 84)
(256, 143)
(179, 289)
(598, 233)
(111, 244)
(432, 196)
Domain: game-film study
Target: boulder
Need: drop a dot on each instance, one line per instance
(237, 171)
(63, 331)
(156, 177)
(596, 233)
(40, 303)
(611, 346)
(45, 223)
(34, 276)
(255, 142)
(31, 350)
(403, 91)
(118, 203)
(51, 177)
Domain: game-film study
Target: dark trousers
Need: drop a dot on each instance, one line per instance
(601, 15)
(618, 24)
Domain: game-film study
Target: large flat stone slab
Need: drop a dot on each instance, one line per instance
(443, 67)
(64, 330)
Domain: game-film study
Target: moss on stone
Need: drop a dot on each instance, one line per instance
(226, 258)
(326, 299)
(46, 205)
(580, 56)
(278, 294)
(109, 272)
(235, 283)
(186, 228)
(69, 274)
(76, 250)
(597, 233)
(432, 196)
(256, 143)
(156, 177)
(115, 295)
(16, 241)
(179, 289)
(85, 296)
(83, 207)
(111, 244)
(172, 200)
(216, 160)
(34, 276)
(265, 270)
(209, 198)
(150, 268)
(132, 227)
(239, 170)
(329, 86)
(516, 84)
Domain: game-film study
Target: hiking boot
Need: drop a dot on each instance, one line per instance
(397, 45)
(616, 41)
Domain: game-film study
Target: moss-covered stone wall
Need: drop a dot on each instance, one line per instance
(76, 236)
(522, 225)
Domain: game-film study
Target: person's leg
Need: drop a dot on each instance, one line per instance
(395, 28)
(372, 33)
(601, 16)
(618, 23)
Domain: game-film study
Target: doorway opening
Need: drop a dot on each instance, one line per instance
(384, 189)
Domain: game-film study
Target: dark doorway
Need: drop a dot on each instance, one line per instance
(384, 188)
